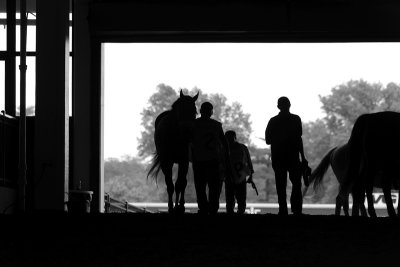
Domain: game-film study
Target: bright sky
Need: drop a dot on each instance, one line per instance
(255, 75)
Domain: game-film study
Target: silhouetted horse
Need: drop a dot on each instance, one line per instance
(337, 158)
(374, 148)
(173, 130)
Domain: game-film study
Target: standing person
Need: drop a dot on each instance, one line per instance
(243, 167)
(209, 145)
(284, 133)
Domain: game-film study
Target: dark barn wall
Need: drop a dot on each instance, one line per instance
(8, 163)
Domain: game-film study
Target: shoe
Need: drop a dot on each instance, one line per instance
(298, 214)
(202, 212)
(283, 213)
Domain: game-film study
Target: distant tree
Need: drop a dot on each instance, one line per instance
(391, 97)
(348, 101)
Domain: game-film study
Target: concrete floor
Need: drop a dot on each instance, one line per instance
(194, 240)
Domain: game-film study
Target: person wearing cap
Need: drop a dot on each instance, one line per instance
(284, 134)
(209, 148)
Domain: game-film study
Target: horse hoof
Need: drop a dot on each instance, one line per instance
(179, 209)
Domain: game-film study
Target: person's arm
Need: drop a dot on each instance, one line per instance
(303, 158)
(268, 133)
(249, 163)
(250, 166)
(300, 140)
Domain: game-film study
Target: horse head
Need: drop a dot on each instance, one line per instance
(185, 107)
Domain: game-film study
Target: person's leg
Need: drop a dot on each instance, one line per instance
(281, 182)
(200, 186)
(230, 197)
(214, 186)
(241, 194)
(296, 197)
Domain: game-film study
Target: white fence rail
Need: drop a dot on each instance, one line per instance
(272, 208)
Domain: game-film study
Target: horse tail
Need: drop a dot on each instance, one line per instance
(156, 161)
(318, 174)
(155, 167)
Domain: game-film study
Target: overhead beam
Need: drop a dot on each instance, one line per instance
(312, 20)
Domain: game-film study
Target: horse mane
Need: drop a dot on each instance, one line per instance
(174, 105)
(163, 114)
(159, 117)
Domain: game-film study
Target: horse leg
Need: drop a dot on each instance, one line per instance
(342, 200)
(345, 204)
(367, 188)
(363, 210)
(361, 204)
(387, 192)
(167, 170)
(338, 206)
(180, 186)
(355, 208)
(370, 201)
(398, 205)
(389, 202)
(358, 193)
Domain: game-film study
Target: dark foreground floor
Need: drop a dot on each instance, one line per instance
(192, 240)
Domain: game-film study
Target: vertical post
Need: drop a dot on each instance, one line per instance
(3, 142)
(107, 203)
(51, 155)
(22, 118)
(97, 131)
(10, 61)
(87, 107)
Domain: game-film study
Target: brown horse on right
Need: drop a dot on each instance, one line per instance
(374, 148)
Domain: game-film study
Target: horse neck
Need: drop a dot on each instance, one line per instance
(176, 116)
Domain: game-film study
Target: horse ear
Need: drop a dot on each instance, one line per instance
(196, 96)
(181, 93)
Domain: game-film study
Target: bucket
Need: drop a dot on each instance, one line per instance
(79, 201)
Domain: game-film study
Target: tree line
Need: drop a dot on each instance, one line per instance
(125, 179)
